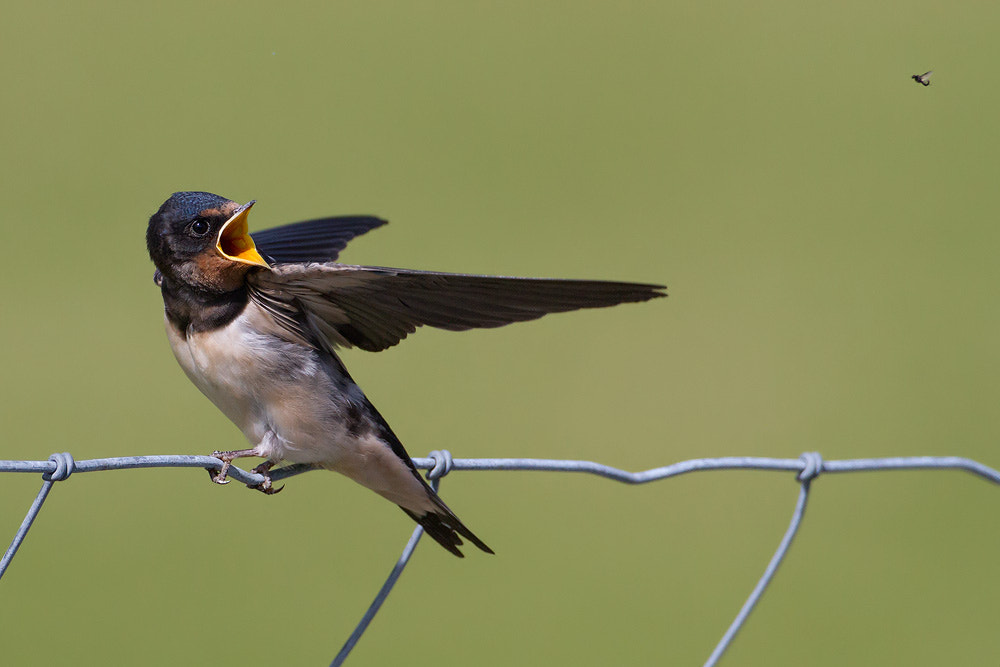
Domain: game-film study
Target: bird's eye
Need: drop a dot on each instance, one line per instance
(200, 227)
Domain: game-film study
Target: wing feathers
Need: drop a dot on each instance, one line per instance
(318, 240)
(374, 308)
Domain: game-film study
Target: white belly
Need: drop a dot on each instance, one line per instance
(274, 390)
(218, 364)
(291, 407)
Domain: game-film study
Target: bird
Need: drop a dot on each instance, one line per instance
(255, 322)
(923, 79)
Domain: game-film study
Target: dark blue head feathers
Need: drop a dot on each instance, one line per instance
(187, 205)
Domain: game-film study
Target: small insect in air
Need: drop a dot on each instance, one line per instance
(923, 79)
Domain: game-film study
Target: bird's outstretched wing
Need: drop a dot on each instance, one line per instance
(374, 308)
(312, 240)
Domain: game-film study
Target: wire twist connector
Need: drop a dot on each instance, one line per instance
(442, 464)
(65, 465)
(813, 466)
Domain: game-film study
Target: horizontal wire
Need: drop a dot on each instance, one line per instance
(544, 465)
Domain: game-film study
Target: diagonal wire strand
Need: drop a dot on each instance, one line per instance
(765, 580)
(29, 519)
(383, 593)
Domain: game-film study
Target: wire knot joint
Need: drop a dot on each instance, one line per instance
(65, 465)
(442, 464)
(812, 466)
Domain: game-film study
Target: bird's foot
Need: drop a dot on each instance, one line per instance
(219, 476)
(265, 486)
(227, 460)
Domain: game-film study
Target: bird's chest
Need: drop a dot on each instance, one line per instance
(225, 365)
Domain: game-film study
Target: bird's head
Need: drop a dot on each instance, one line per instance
(201, 240)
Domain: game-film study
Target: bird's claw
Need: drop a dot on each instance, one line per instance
(219, 477)
(265, 486)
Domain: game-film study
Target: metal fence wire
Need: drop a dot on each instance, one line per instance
(439, 463)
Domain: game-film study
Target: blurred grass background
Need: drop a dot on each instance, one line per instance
(825, 225)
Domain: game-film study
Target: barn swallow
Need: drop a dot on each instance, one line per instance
(255, 321)
(923, 79)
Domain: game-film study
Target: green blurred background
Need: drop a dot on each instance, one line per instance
(826, 227)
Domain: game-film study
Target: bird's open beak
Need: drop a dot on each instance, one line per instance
(235, 242)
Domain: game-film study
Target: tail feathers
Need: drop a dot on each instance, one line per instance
(445, 528)
(438, 521)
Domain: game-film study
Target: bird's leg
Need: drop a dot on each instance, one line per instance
(227, 460)
(265, 486)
